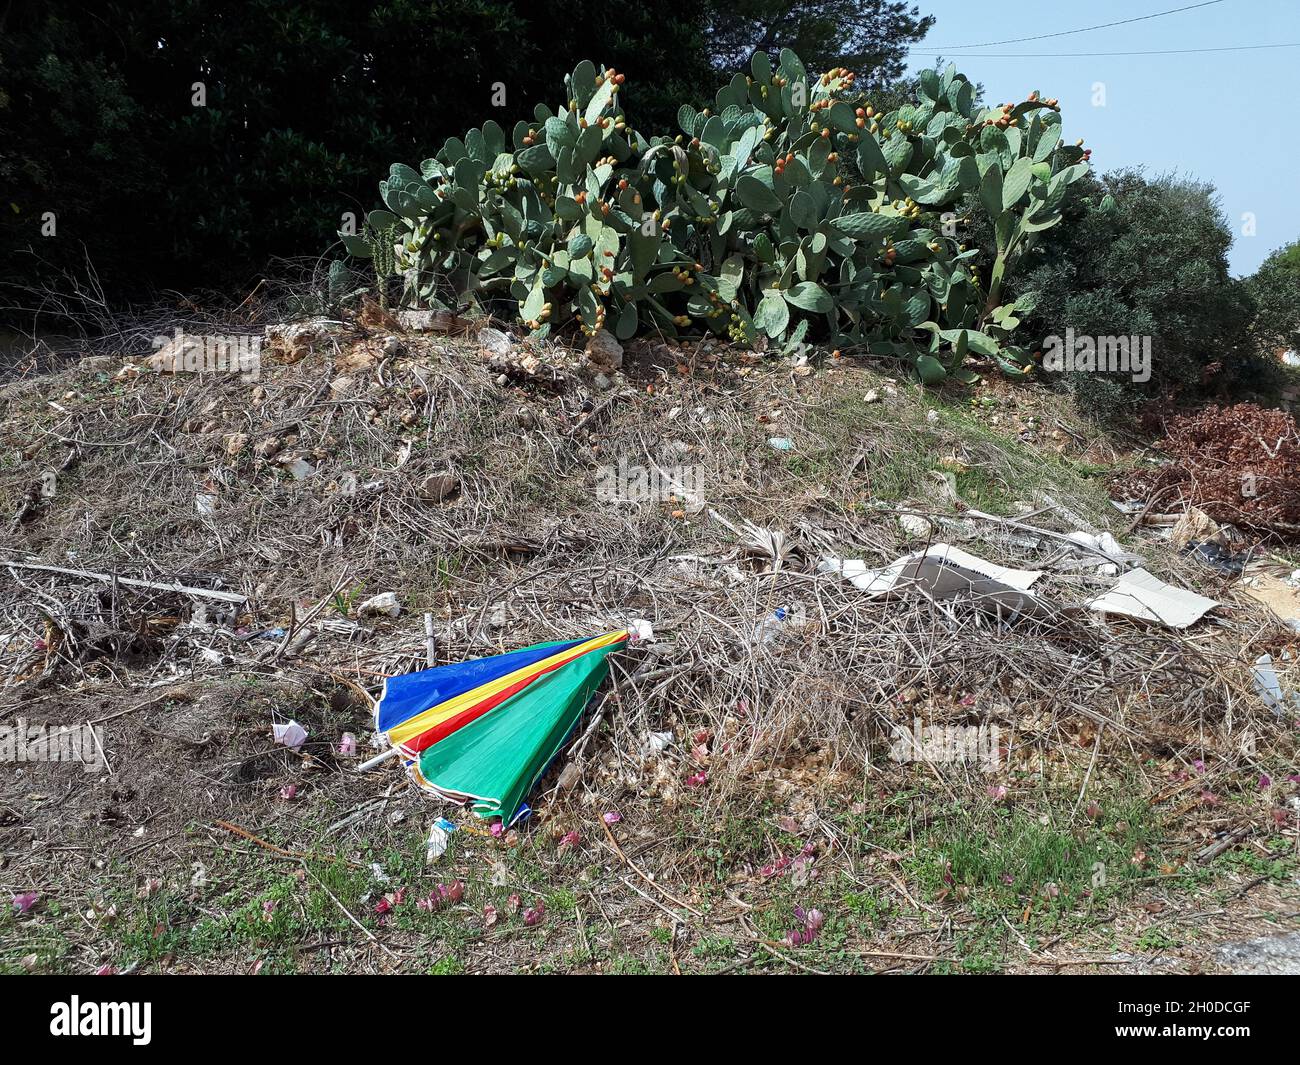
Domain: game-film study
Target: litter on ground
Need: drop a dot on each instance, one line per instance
(1143, 596)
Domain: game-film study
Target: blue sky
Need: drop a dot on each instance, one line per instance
(1224, 117)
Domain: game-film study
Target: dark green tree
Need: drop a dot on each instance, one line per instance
(1149, 258)
(1275, 288)
(183, 144)
(869, 37)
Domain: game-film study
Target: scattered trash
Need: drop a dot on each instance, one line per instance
(612, 817)
(439, 487)
(1269, 687)
(1217, 557)
(439, 836)
(24, 902)
(943, 571)
(1195, 526)
(641, 631)
(781, 443)
(347, 746)
(1104, 542)
(292, 735)
(657, 742)
(484, 731)
(1145, 597)
(769, 628)
(1280, 595)
(299, 467)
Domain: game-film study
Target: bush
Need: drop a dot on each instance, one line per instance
(1148, 258)
(790, 209)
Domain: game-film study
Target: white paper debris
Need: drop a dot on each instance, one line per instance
(1141, 595)
(641, 630)
(944, 571)
(292, 735)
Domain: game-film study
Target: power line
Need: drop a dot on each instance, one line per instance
(1084, 29)
(1077, 55)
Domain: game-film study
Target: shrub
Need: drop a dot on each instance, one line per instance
(1147, 257)
(789, 209)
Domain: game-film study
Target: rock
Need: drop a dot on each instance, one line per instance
(439, 487)
(915, 525)
(98, 363)
(170, 358)
(495, 344)
(359, 356)
(235, 443)
(502, 380)
(385, 604)
(1265, 956)
(604, 350)
(602, 383)
(932, 416)
(392, 347)
(417, 321)
(299, 467)
(341, 386)
(294, 341)
(871, 397)
(525, 418)
(268, 448)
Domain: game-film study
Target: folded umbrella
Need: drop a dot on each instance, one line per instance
(484, 731)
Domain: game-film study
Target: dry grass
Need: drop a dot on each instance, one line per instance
(523, 550)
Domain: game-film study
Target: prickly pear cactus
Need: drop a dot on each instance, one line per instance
(790, 209)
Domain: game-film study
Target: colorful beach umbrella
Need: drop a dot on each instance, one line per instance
(484, 731)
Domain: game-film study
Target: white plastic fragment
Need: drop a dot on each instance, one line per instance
(641, 631)
(291, 735)
(439, 836)
(943, 571)
(383, 603)
(1269, 687)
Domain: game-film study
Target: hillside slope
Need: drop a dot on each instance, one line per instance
(1137, 806)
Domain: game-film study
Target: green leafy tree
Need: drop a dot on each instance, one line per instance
(1149, 258)
(868, 37)
(1275, 288)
